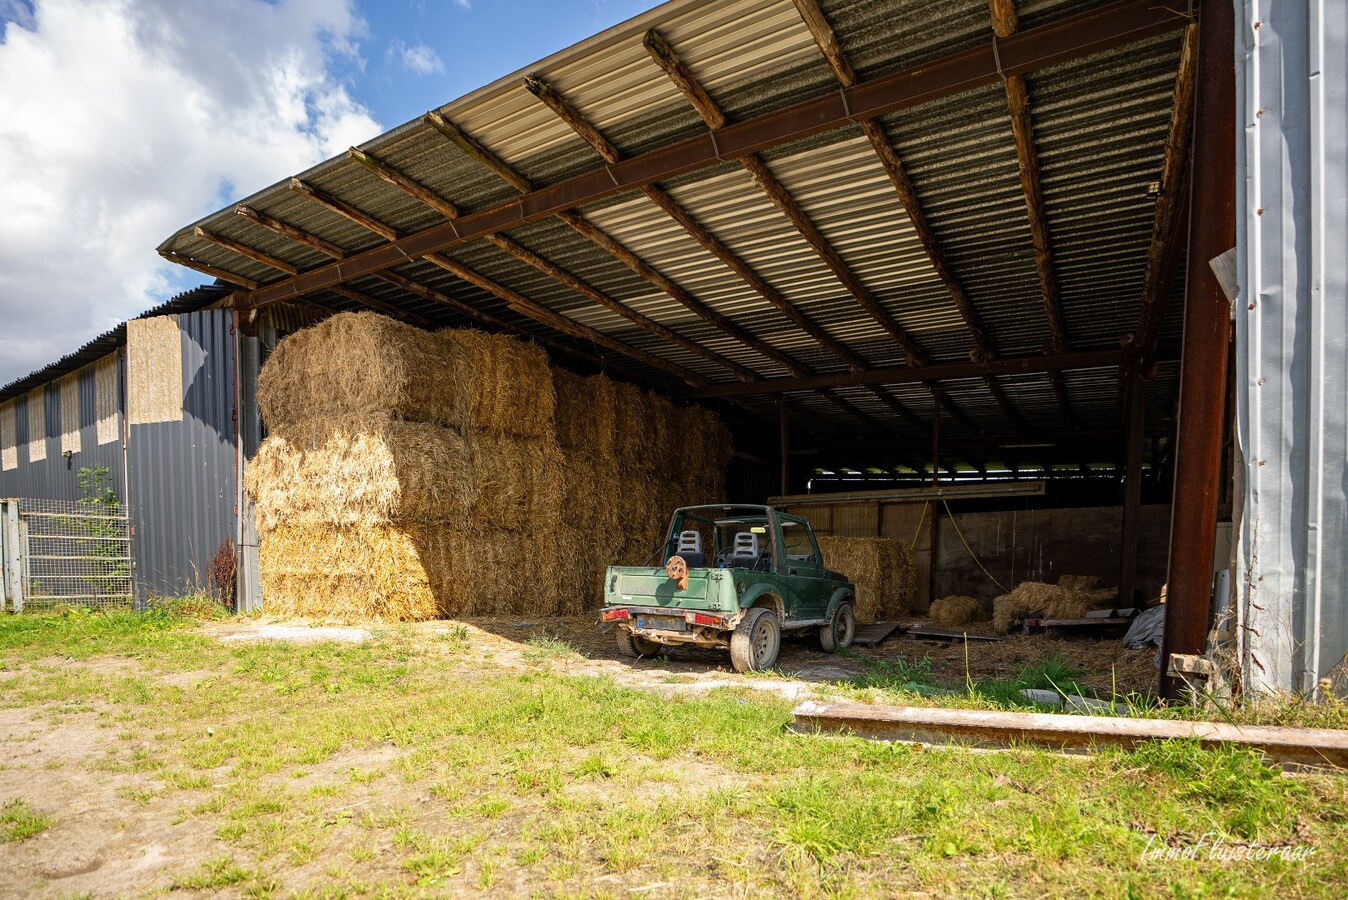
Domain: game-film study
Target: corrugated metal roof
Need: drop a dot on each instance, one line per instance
(1100, 125)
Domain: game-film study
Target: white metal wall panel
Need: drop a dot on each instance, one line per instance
(1291, 323)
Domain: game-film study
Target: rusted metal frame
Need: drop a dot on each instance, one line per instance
(524, 307)
(706, 108)
(557, 273)
(1071, 37)
(610, 154)
(1207, 332)
(1132, 483)
(207, 269)
(404, 183)
(1171, 208)
(298, 235)
(388, 309)
(657, 195)
(245, 251)
(343, 209)
(604, 241)
(1021, 365)
(585, 289)
(540, 313)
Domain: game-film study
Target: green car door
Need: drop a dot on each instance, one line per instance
(801, 563)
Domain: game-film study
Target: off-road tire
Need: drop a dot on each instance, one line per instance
(631, 645)
(756, 641)
(838, 633)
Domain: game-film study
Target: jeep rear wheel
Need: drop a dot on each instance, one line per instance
(631, 645)
(838, 633)
(755, 641)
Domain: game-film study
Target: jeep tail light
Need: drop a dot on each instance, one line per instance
(704, 619)
(611, 614)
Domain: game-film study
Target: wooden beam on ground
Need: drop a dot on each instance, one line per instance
(1071, 37)
(1022, 365)
(1319, 747)
(1171, 207)
(245, 251)
(298, 235)
(206, 269)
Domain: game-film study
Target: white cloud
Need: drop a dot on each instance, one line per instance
(122, 120)
(421, 60)
(464, 4)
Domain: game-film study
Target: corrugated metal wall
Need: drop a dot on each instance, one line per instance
(1291, 323)
(182, 473)
(55, 477)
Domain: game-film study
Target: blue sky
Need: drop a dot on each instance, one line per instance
(124, 120)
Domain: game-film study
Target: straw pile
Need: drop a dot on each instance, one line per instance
(632, 457)
(410, 475)
(1054, 601)
(880, 568)
(957, 610)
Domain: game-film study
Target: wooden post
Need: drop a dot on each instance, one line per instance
(1207, 331)
(13, 565)
(1132, 485)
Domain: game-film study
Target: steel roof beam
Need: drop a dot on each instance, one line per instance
(1070, 37)
(1090, 359)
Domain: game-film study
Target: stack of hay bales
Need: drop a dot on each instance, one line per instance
(409, 475)
(880, 568)
(632, 457)
(957, 610)
(406, 474)
(1071, 598)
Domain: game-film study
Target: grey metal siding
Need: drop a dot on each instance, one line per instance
(1291, 324)
(182, 474)
(56, 478)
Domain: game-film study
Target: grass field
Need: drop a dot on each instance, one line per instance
(144, 754)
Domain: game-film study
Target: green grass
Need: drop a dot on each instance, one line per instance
(19, 821)
(394, 767)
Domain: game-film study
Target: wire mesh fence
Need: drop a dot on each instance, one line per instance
(72, 553)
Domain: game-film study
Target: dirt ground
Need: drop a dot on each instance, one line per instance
(118, 838)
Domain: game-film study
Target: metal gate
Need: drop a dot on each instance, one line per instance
(59, 553)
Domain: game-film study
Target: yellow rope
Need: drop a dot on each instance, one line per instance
(972, 555)
(920, 519)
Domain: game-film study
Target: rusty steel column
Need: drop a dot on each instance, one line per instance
(1132, 485)
(1207, 331)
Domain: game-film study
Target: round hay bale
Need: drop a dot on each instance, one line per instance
(957, 610)
(358, 365)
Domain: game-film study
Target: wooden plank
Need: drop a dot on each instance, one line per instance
(949, 634)
(871, 635)
(982, 728)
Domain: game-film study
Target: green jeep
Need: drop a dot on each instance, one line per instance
(733, 576)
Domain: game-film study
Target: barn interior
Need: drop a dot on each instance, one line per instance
(929, 262)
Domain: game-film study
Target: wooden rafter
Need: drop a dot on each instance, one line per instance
(1005, 22)
(210, 270)
(683, 78)
(363, 299)
(343, 209)
(298, 235)
(827, 41)
(245, 251)
(446, 208)
(1074, 36)
(1170, 205)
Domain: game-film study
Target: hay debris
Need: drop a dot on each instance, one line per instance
(1080, 582)
(880, 568)
(1050, 600)
(957, 610)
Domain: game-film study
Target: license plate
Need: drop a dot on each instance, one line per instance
(662, 623)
